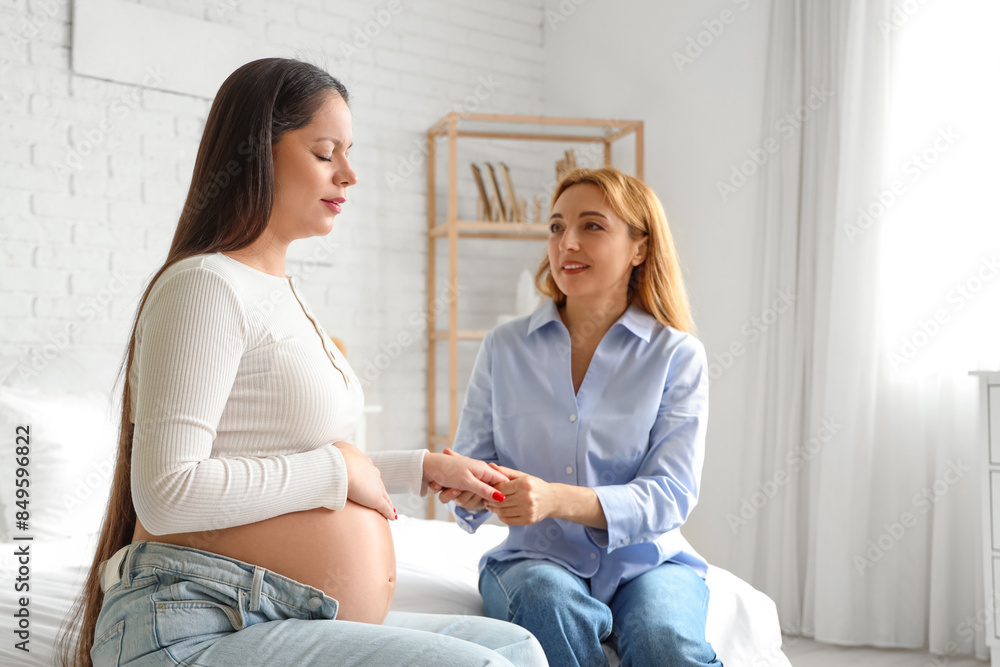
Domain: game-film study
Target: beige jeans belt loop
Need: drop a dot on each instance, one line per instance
(111, 569)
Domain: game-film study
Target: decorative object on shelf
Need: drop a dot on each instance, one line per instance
(514, 211)
(526, 299)
(566, 165)
(443, 334)
(486, 209)
(504, 216)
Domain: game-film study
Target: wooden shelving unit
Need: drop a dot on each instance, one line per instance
(451, 128)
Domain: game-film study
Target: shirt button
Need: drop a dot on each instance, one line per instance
(593, 556)
(572, 418)
(315, 603)
(569, 470)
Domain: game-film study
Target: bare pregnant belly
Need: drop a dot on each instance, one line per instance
(348, 554)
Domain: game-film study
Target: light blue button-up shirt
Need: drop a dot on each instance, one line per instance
(635, 433)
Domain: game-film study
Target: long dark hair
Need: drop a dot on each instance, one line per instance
(227, 208)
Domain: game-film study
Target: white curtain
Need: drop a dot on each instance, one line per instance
(860, 506)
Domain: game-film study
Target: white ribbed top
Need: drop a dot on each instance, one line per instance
(237, 396)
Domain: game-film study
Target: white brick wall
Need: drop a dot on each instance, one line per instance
(93, 175)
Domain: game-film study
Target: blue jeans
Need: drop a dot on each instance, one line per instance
(658, 618)
(176, 605)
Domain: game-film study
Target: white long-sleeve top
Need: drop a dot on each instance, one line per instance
(238, 395)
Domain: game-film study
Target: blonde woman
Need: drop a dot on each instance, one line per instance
(595, 408)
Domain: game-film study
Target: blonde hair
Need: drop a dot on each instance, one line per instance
(656, 285)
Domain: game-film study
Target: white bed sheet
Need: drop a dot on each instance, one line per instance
(437, 566)
(56, 572)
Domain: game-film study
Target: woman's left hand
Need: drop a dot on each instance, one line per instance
(528, 499)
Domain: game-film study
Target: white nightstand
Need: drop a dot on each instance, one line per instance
(989, 439)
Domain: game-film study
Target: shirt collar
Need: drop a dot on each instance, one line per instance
(635, 319)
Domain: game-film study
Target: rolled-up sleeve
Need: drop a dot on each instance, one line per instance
(474, 437)
(665, 489)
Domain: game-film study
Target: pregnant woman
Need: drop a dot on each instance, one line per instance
(595, 407)
(242, 528)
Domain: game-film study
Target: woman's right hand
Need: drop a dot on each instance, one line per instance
(364, 481)
(464, 499)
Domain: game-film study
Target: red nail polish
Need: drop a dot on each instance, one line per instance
(497, 496)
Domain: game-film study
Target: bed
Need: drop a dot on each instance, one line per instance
(70, 458)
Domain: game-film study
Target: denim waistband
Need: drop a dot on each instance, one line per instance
(191, 563)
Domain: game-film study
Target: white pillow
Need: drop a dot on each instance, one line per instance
(71, 454)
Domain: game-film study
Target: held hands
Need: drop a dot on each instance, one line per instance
(526, 499)
(467, 499)
(364, 481)
(461, 476)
